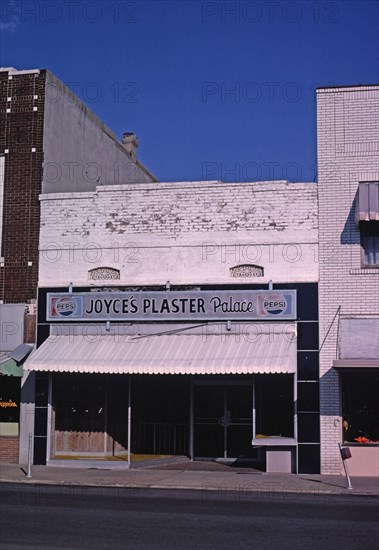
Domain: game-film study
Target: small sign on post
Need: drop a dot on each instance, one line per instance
(345, 454)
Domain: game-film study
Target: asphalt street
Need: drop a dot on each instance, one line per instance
(75, 518)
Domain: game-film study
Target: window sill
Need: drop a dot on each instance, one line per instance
(272, 441)
(9, 429)
(356, 444)
(364, 270)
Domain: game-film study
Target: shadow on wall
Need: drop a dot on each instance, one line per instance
(350, 233)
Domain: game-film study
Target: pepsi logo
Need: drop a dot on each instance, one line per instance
(66, 306)
(275, 304)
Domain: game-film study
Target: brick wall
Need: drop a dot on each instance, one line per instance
(348, 152)
(9, 448)
(186, 232)
(21, 120)
(46, 130)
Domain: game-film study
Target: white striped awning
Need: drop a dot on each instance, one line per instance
(358, 344)
(170, 353)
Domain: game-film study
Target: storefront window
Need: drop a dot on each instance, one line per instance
(80, 404)
(9, 405)
(274, 405)
(360, 406)
(89, 414)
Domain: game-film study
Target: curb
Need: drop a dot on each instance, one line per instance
(211, 488)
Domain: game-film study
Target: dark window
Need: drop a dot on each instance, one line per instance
(42, 388)
(370, 243)
(40, 421)
(307, 336)
(307, 365)
(307, 302)
(308, 427)
(40, 444)
(360, 406)
(309, 459)
(308, 396)
(274, 405)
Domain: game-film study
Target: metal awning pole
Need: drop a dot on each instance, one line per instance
(129, 418)
(191, 421)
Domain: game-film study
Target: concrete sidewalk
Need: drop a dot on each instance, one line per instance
(178, 476)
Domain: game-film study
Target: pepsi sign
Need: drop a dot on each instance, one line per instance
(207, 305)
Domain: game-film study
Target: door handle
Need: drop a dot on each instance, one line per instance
(225, 420)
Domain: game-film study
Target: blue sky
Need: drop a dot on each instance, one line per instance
(213, 89)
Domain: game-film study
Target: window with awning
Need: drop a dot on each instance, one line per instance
(358, 364)
(367, 204)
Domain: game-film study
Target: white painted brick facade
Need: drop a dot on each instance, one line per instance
(183, 232)
(348, 152)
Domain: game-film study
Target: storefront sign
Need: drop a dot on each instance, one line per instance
(6, 404)
(172, 306)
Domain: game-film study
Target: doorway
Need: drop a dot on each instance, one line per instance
(160, 414)
(223, 419)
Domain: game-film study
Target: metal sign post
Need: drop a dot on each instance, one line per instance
(29, 473)
(345, 454)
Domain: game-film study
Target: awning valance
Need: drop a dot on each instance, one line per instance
(172, 353)
(367, 205)
(11, 368)
(355, 364)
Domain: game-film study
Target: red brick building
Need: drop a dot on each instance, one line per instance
(49, 142)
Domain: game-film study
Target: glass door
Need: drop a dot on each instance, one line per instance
(239, 431)
(223, 425)
(209, 411)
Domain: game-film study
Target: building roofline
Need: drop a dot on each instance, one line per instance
(358, 86)
(12, 71)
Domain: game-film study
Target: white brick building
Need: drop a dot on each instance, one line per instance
(348, 190)
(214, 387)
(186, 232)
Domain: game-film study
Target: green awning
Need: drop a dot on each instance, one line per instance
(11, 368)
(11, 362)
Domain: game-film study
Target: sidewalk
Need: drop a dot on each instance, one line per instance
(181, 476)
